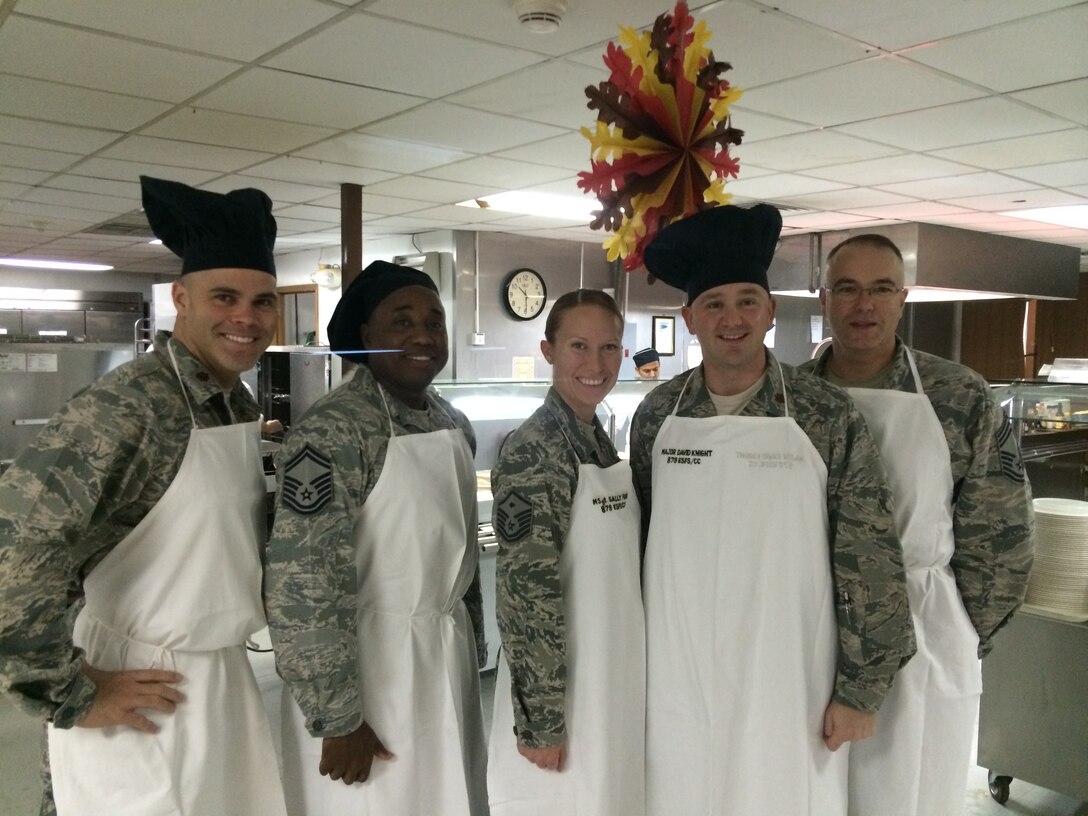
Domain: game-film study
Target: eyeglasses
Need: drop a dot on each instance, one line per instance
(851, 291)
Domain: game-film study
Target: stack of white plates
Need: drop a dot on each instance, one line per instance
(1059, 579)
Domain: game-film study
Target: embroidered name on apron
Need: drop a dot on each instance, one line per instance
(607, 504)
(685, 456)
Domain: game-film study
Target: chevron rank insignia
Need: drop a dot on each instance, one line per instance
(307, 482)
(513, 517)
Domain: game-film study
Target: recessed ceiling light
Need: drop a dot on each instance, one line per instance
(1075, 216)
(547, 205)
(68, 265)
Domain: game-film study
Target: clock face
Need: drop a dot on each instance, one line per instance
(524, 294)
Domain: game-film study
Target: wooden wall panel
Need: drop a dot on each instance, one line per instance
(992, 338)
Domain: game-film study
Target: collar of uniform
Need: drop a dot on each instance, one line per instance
(586, 449)
(696, 401)
(425, 419)
(900, 377)
(197, 380)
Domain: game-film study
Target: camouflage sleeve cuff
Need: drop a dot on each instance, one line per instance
(862, 697)
(323, 726)
(78, 703)
(539, 738)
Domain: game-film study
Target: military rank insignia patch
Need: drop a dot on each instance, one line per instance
(1012, 466)
(307, 482)
(513, 517)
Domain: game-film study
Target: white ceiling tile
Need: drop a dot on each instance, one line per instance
(567, 186)
(1061, 145)
(376, 204)
(828, 220)
(983, 56)
(399, 224)
(876, 87)
(182, 154)
(54, 52)
(890, 170)
(309, 212)
(529, 222)
(1068, 99)
(399, 57)
(317, 173)
(979, 120)
(1060, 174)
(286, 225)
(436, 191)
(909, 212)
(570, 151)
(240, 29)
(585, 21)
(553, 92)
(52, 101)
(757, 126)
(1078, 189)
(842, 199)
(232, 130)
(9, 189)
(281, 192)
(128, 188)
(765, 45)
(31, 158)
(295, 98)
(503, 173)
(1020, 200)
(80, 216)
(65, 138)
(20, 175)
(893, 24)
(381, 154)
(132, 170)
(778, 185)
(83, 200)
(807, 150)
(460, 128)
(957, 186)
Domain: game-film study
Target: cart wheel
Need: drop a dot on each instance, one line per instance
(999, 787)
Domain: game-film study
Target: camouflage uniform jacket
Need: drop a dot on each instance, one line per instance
(79, 488)
(992, 513)
(310, 588)
(877, 638)
(538, 466)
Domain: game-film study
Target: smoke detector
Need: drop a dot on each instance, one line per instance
(540, 16)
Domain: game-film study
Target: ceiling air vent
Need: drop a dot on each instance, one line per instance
(540, 16)
(129, 225)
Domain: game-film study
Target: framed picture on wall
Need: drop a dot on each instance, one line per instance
(664, 335)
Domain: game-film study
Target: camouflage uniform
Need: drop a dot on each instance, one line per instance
(993, 520)
(79, 488)
(310, 580)
(876, 637)
(536, 466)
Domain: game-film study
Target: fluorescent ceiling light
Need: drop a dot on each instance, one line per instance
(69, 265)
(547, 205)
(919, 294)
(1075, 216)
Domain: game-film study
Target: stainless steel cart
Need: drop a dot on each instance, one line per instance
(1033, 719)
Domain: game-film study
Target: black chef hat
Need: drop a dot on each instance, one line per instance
(645, 356)
(715, 247)
(211, 230)
(374, 284)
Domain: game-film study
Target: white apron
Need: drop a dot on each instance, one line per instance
(416, 555)
(741, 633)
(917, 762)
(180, 593)
(606, 668)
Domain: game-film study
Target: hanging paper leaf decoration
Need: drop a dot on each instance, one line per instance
(660, 149)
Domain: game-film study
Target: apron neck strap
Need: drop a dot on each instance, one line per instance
(181, 382)
(785, 391)
(914, 371)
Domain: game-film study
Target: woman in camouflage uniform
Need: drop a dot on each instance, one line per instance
(569, 601)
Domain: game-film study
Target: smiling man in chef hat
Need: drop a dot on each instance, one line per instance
(372, 585)
(773, 578)
(148, 495)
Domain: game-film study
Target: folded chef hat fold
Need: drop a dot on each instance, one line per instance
(715, 247)
(373, 285)
(210, 230)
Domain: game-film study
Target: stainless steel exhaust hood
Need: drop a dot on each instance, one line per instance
(944, 260)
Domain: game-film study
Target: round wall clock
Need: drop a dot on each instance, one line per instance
(524, 294)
